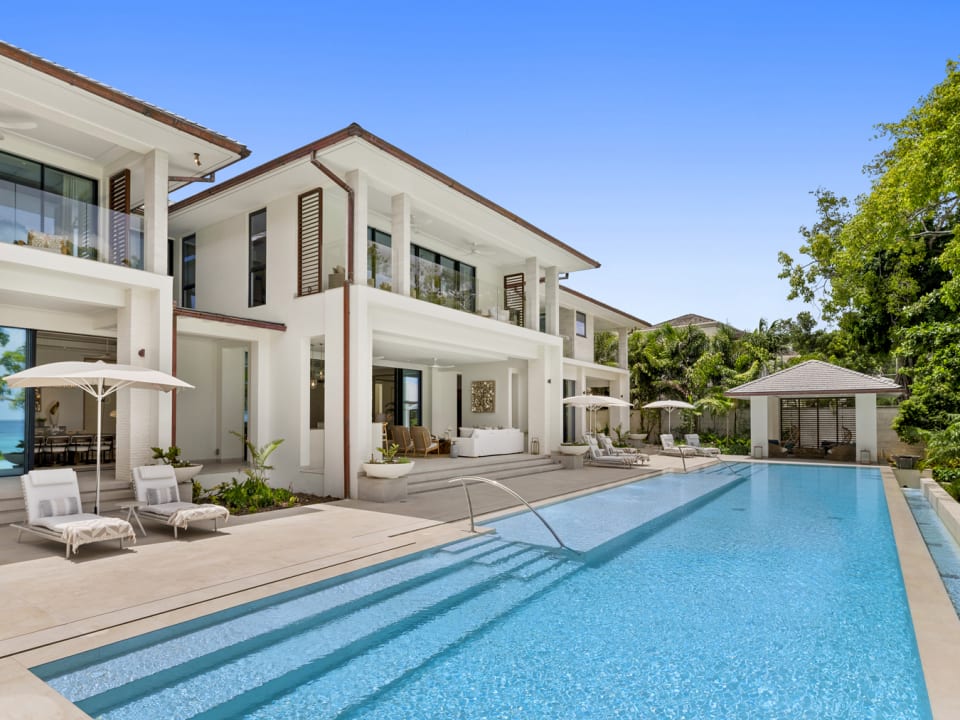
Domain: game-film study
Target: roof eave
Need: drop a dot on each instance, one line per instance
(356, 131)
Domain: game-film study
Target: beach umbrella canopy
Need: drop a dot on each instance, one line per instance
(594, 402)
(669, 406)
(98, 379)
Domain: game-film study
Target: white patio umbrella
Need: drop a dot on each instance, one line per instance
(669, 406)
(98, 379)
(592, 403)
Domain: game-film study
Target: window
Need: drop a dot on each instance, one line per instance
(188, 271)
(442, 280)
(581, 324)
(36, 197)
(379, 259)
(257, 291)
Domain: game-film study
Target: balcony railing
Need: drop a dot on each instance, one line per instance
(46, 221)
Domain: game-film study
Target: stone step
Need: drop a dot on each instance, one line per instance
(496, 473)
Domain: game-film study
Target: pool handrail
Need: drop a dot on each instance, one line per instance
(476, 478)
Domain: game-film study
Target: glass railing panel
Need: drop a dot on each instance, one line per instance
(46, 221)
(440, 285)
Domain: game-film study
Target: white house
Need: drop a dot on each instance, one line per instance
(85, 171)
(313, 298)
(346, 284)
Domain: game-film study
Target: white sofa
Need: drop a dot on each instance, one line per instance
(474, 442)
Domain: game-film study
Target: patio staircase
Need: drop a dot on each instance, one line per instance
(326, 654)
(427, 478)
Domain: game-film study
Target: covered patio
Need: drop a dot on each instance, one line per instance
(815, 409)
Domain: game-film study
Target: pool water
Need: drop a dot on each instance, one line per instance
(772, 593)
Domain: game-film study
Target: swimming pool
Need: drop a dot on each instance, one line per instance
(775, 596)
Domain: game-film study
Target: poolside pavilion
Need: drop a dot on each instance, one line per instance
(815, 409)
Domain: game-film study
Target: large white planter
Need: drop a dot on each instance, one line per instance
(187, 474)
(387, 470)
(383, 482)
(573, 449)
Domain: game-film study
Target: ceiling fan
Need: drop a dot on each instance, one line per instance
(474, 248)
(435, 365)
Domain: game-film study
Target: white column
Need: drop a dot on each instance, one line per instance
(137, 410)
(866, 425)
(758, 425)
(400, 237)
(361, 385)
(156, 170)
(531, 278)
(623, 348)
(551, 300)
(357, 180)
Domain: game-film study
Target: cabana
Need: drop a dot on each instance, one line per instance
(815, 409)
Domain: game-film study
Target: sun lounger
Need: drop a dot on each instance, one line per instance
(669, 447)
(693, 440)
(595, 456)
(156, 485)
(608, 448)
(55, 511)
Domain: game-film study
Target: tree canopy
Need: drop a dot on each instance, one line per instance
(886, 268)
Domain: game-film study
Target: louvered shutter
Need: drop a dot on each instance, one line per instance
(513, 291)
(119, 217)
(310, 241)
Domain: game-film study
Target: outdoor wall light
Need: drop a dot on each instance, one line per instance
(196, 159)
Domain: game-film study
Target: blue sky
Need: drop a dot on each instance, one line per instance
(676, 145)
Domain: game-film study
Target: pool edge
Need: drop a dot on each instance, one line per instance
(935, 622)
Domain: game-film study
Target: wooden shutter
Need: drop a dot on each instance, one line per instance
(119, 217)
(310, 241)
(514, 287)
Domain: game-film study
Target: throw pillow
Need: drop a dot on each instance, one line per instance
(56, 507)
(162, 495)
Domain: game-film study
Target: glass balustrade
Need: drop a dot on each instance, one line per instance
(54, 223)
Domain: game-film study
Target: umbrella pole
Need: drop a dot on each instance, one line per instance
(96, 505)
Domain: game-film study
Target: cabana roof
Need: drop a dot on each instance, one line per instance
(817, 378)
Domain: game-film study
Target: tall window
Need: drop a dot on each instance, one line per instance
(258, 259)
(379, 259)
(188, 272)
(36, 198)
(581, 324)
(442, 280)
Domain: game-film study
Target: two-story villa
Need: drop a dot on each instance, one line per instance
(85, 171)
(314, 298)
(347, 284)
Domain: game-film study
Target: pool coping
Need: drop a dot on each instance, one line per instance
(935, 621)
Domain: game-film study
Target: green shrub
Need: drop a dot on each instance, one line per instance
(729, 445)
(253, 493)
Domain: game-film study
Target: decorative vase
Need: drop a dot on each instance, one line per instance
(573, 449)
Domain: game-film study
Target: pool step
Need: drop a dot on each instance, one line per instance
(319, 631)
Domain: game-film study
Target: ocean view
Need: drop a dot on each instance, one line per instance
(11, 433)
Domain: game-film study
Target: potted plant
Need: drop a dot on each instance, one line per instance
(384, 477)
(388, 465)
(183, 469)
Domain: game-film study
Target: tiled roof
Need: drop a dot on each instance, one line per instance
(815, 377)
(71, 77)
(688, 319)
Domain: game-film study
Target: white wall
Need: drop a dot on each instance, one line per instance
(198, 363)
